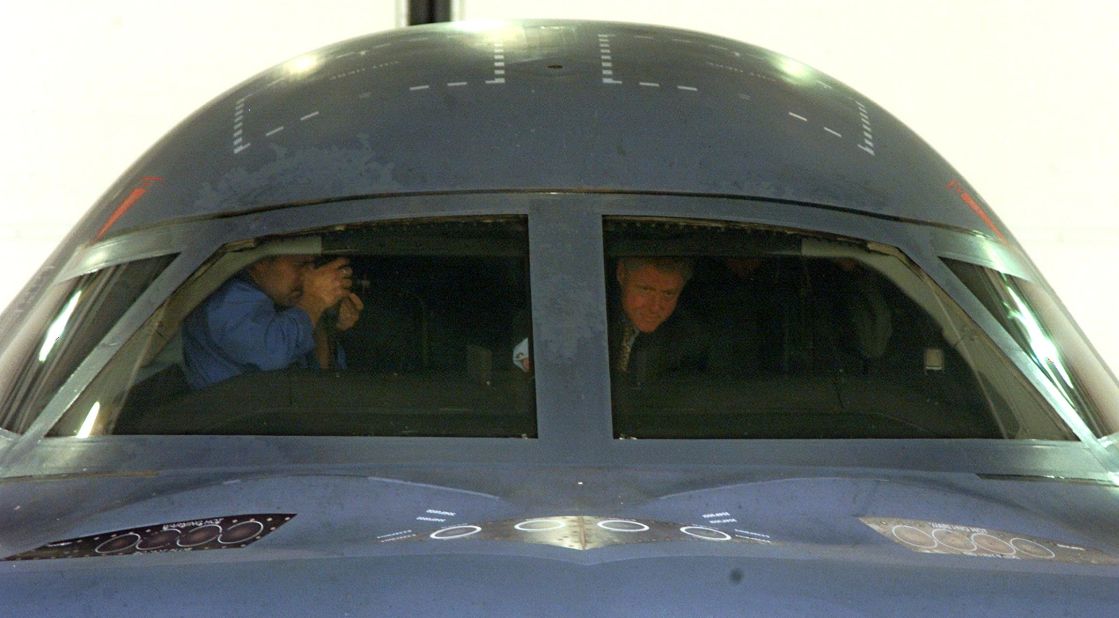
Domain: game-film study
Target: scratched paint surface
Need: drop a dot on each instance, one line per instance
(544, 106)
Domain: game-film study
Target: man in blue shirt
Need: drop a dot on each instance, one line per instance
(269, 317)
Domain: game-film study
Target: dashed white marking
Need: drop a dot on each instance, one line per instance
(344, 55)
(722, 521)
(649, 84)
(725, 67)
(681, 41)
(833, 132)
(868, 133)
(643, 36)
(498, 64)
(274, 131)
(718, 47)
(238, 123)
(825, 85)
(365, 95)
(381, 45)
(392, 534)
(455, 84)
(744, 97)
(798, 117)
(308, 116)
(422, 518)
(754, 539)
(606, 57)
(434, 512)
(766, 536)
(353, 72)
(424, 87)
(688, 88)
(273, 82)
(713, 515)
(398, 538)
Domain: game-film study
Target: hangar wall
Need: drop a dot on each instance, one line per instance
(1019, 95)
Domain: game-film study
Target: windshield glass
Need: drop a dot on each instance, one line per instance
(390, 330)
(1044, 331)
(723, 332)
(61, 331)
(423, 328)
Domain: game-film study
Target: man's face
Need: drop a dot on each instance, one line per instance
(281, 277)
(649, 295)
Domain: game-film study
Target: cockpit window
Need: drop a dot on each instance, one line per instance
(61, 331)
(718, 332)
(1044, 331)
(382, 330)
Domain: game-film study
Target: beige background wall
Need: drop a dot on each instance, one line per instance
(1021, 96)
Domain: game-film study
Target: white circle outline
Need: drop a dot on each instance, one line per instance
(476, 530)
(562, 524)
(179, 541)
(244, 523)
(170, 543)
(894, 531)
(1013, 549)
(117, 551)
(602, 524)
(974, 547)
(1051, 555)
(685, 530)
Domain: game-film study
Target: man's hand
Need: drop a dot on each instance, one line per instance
(349, 312)
(324, 287)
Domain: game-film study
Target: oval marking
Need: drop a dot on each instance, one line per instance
(704, 533)
(443, 534)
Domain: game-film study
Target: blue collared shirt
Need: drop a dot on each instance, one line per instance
(238, 329)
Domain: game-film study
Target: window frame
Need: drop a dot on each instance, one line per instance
(573, 411)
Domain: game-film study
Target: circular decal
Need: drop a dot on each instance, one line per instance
(199, 536)
(913, 536)
(540, 525)
(993, 544)
(954, 539)
(239, 533)
(622, 525)
(707, 534)
(455, 532)
(118, 544)
(1032, 549)
(159, 540)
